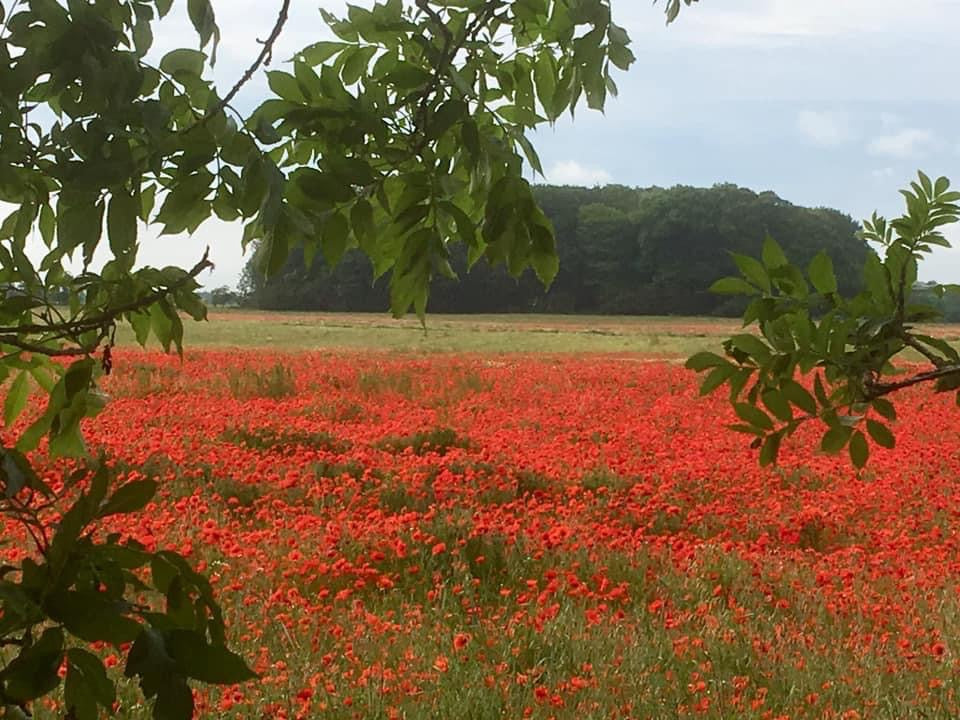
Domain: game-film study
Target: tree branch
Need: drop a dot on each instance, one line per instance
(447, 53)
(875, 390)
(10, 335)
(25, 346)
(264, 57)
(912, 342)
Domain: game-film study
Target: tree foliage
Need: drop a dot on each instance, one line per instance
(846, 344)
(402, 137)
(622, 250)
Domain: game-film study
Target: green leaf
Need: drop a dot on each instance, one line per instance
(320, 52)
(799, 396)
(161, 326)
(772, 254)
(753, 415)
(621, 56)
(470, 135)
(543, 254)
(148, 658)
(122, 214)
(147, 200)
(519, 115)
(820, 391)
(361, 219)
(93, 616)
(285, 85)
(16, 399)
(752, 270)
(17, 473)
(835, 439)
(183, 61)
(821, 274)
(859, 450)
(130, 497)
(78, 224)
(770, 449)
(407, 76)
(716, 377)
(884, 408)
(335, 233)
(320, 186)
(942, 185)
(733, 286)
(202, 17)
(776, 403)
(47, 225)
(174, 699)
(355, 66)
(545, 80)
(704, 360)
(87, 685)
(881, 434)
(752, 346)
(197, 659)
(163, 573)
(140, 321)
(34, 672)
(142, 37)
(948, 382)
(186, 199)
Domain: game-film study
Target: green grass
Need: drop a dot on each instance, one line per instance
(654, 336)
(661, 336)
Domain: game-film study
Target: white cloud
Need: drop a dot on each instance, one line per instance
(824, 128)
(788, 22)
(570, 172)
(906, 143)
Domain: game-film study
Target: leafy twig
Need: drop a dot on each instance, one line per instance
(447, 53)
(264, 57)
(10, 335)
(912, 342)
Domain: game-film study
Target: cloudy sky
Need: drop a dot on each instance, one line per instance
(824, 102)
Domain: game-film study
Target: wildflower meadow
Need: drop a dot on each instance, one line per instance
(529, 536)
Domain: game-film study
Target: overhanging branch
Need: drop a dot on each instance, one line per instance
(875, 390)
(264, 57)
(12, 335)
(447, 53)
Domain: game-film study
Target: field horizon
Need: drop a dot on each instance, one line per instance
(657, 337)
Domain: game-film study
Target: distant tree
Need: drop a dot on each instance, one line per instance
(621, 250)
(223, 295)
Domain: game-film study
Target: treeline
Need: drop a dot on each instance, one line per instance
(651, 251)
(946, 303)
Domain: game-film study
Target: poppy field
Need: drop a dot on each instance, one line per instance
(535, 536)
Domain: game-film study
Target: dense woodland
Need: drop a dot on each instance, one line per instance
(651, 251)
